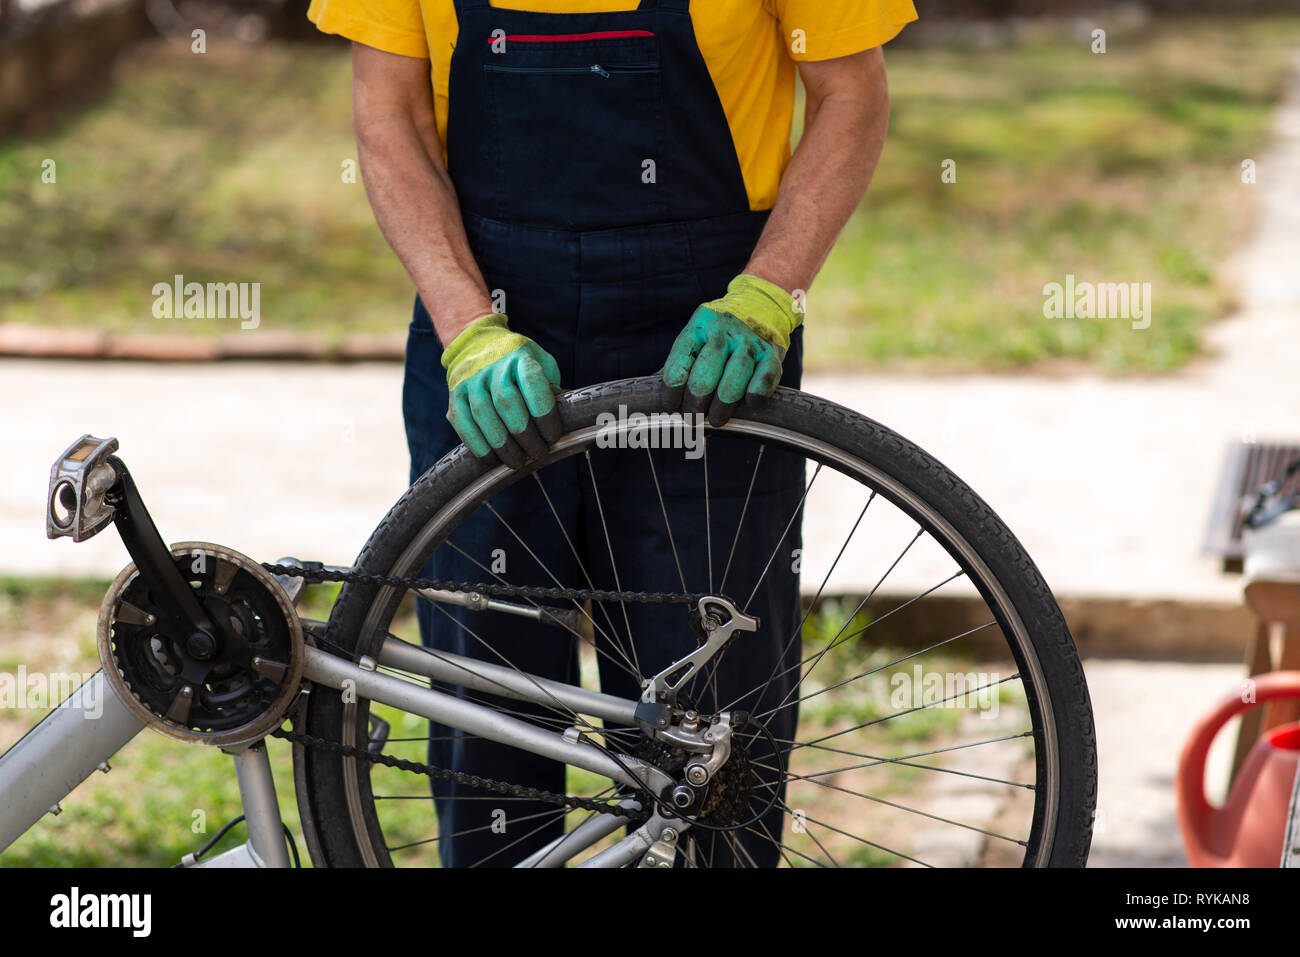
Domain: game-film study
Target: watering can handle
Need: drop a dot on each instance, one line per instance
(1191, 767)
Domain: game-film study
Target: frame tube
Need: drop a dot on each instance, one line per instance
(261, 809)
(500, 680)
(326, 669)
(69, 744)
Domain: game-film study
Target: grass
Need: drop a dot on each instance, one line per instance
(1117, 167)
(221, 167)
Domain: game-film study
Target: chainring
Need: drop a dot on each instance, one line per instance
(245, 690)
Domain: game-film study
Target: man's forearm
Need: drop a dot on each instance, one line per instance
(415, 205)
(843, 137)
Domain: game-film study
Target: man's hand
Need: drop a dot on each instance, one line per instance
(731, 347)
(503, 389)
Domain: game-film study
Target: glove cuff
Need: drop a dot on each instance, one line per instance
(482, 342)
(763, 306)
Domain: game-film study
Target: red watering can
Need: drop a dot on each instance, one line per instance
(1248, 830)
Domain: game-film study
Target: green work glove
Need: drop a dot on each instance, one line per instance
(502, 389)
(731, 347)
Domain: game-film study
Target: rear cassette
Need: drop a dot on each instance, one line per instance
(228, 689)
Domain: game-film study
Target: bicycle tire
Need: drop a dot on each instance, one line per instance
(340, 825)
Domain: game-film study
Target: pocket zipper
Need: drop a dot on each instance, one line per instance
(572, 37)
(596, 68)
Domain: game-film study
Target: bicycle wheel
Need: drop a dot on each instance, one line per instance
(943, 717)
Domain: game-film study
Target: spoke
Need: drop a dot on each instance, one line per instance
(899, 714)
(556, 581)
(822, 847)
(919, 754)
(560, 814)
(739, 846)
(468, 830)
(857, 634)
(865, 674)
(706, 678)
(861, 631)
(708, 522)
(877, 761)
(502, 581)
(672, 544)
(871, 594)
(786, 531)
(449, 797)
(744, 509)
(794, 850)
(581, 567)
(559, 707)
(618, 585)
(781, 848)
(797, 634)
(920, 813)
(860, 840)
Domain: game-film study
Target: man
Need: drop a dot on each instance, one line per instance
(585, 190)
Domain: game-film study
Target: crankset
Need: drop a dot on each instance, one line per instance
(198, 641)
(227, 684)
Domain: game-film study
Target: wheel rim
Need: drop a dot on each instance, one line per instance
(1038, 842)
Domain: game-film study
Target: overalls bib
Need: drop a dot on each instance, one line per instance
(602, 196)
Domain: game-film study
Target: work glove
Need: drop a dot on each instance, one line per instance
(502, 392)
(730, 348)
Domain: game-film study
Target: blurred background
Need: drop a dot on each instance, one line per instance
(229, 162)
(1153, 143)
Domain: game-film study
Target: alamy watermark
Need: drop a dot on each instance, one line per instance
(75, 909)
(976, 690)
(179, 299)
(1098, 300)
(39, 690)
(657, 430)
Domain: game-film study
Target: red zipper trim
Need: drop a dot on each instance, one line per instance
(573, 37)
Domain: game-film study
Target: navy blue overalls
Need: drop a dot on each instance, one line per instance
(601, 193)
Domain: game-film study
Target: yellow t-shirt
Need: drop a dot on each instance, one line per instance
(749, 46)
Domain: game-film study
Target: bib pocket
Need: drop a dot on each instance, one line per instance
(578, 131)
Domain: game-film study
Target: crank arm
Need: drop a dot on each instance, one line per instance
(89, 487)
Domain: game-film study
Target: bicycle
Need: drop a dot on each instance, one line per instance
(207, 646)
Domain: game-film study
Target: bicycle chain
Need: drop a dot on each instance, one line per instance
(320, 575)
(468, 780)
(315, 573)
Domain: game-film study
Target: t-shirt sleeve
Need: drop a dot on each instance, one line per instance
(824, 29)
(394, 26)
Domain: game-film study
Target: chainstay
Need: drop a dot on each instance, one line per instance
(320, 575)
(468, 780)
(316, 573)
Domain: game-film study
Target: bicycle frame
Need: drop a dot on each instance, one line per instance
(79, 736)
(83, 733)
